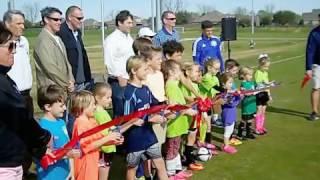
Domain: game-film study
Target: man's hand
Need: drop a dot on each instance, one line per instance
(71, 86)
(122, 81)
(74, 153)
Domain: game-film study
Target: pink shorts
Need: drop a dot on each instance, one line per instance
(11, 173)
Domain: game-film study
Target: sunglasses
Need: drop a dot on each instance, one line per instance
(171, 19)
(55, 19)
(11, 46)
(79, 18)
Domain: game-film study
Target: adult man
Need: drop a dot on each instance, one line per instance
(19, 131)
(77, 55)
(207, 46)
(167, 32)
(117, 50)
(313, 68)
(20, 71)
(52, 65)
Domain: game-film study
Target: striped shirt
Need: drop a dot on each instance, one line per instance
(163, 36)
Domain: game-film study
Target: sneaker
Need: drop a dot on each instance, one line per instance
(206, 145)
(241, 138)
(235, 142)
(229, 149)
(218, 123)
(195, 167)
(313, 116)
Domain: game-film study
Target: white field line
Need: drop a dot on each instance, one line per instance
(285, 60)
(258, 38)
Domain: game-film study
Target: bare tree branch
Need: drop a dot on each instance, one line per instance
(31, 11)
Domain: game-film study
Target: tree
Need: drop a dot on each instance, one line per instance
(32, 11)
(204, 9)
(285, 17)
(265, 17)
(173, 5)
(269, 8)
(183, 17)
(240, 12)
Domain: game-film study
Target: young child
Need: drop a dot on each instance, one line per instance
(210, 86)
(173, 50)
(141, 45)
(261, 77)
(229, 111)
(83, 107)
(178, 126)
(248, 104)
(141, 142)
(102, 93)
(51, 100)
(193, 73)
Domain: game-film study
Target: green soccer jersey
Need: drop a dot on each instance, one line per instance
(207, 84)
(261, 77)
(248, 103)
(187, 93)
(102, 116)
(178, 126)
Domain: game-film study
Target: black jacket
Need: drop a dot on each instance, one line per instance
(70, 43)
(19, 131)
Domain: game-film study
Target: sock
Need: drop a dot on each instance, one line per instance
(240, 128)
(208, 137)
(188, 153)
(262, 121)
(171, 167)
(248, 128)
(258, 122)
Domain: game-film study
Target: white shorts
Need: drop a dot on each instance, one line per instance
(228, 130)
(316, 76)
(11, 173)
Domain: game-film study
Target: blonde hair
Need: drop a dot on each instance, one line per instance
(263, 59)
(80, 101)
(245, 71)
(99, 87)
(134, 63)
(210, 63)
(188, 66)
(169, 65)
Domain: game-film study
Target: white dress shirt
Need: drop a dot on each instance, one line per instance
(20, 71)
(117, 49)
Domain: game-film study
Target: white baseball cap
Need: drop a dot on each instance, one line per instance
(263, 56)
(145, 31)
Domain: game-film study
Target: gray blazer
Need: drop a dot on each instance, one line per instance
(51, 61)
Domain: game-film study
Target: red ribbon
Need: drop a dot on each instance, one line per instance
(305, 80)
(203, 105)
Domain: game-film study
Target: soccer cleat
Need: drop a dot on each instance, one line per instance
(229, 149)
(235, 142)
(313, 116)
(195, 167)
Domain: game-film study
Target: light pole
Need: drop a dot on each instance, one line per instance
(82, 25)
(152, 15)
(158, 9)
(102, 24)
(252, 43)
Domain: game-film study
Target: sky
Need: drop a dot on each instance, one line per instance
(142, 8)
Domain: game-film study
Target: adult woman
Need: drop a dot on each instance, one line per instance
(18, 129)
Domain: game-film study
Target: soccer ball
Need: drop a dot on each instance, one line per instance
(204, 154)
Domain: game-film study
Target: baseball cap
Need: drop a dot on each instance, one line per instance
(145, 31)
(263, 56)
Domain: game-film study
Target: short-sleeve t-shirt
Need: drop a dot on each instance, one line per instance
(207, 84)
(261, 77)
(58, 130)
(248, 103)
(139, 138)
(187, 93)
(155, 83)
(179, 125)
(102, 116)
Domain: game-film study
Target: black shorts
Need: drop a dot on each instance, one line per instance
(246, 117)
(262, 98)
(105, 159)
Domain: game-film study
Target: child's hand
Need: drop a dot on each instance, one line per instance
(190, 112)
(138, 122)
(114, 138)
(74, 153)
(157, 119)
(270, 99)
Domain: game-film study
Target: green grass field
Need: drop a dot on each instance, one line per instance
(291, 150)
